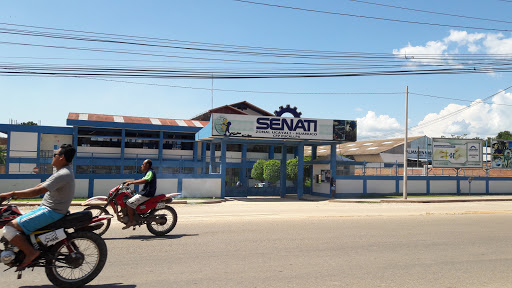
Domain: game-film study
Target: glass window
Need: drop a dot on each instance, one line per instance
(258, 148)
(99, 132)
(142, 134)
(99, 142)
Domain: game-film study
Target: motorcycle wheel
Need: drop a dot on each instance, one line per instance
(162, 221)
(65, 269)
(98, 211)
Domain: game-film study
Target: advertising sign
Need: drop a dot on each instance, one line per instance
(456, 153)
(501, 154)
(281, 127)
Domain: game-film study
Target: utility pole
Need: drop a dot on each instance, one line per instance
(212, 91)
(405, 141)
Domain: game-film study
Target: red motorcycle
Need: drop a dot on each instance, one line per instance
(71, 253)
(159, 218)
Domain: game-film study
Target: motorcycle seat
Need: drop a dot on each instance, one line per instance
(78, 219)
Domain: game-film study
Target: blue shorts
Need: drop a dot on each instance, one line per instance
(38, 218)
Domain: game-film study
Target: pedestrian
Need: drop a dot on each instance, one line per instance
(333, 188)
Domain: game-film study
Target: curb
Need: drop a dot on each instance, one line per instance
(76, 203)
(421, 201)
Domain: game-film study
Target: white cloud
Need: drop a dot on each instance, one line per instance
(377, 127)
(482, 120)
(438, 51)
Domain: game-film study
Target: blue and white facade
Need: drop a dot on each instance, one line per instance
(187, 157)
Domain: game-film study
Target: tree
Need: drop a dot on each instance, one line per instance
(3, 156)
(29, 123)
(257, 170)
(272, 171)
(504, 135)
(292, 168)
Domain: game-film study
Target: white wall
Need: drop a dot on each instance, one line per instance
(175, 154)
(198, 188)
(415, 186)
(443, 186)
(323, 187)
(381, 186)
(497, 187)
(103, 186)
(22, 168)
(81, 188)
(23, 144)
(166, 186)
(349, 186)
(476, 187)
(8, 185)
(100, 152)
(48, 141)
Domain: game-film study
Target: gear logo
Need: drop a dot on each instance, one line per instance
(288, 109)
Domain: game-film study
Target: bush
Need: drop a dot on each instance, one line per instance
(292, 169)
(272, 171)
(257, 170)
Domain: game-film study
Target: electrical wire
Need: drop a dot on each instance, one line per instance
(431, 12)
(371, 17)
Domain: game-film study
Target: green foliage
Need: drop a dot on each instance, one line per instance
(292, 168)
(504, 135)
(3, 156)
(272, 171)
(257, 170)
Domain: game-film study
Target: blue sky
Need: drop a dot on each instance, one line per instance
(50, 99)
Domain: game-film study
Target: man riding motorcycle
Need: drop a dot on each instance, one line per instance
(61, 190)
(148, 190)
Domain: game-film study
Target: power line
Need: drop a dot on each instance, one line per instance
(457, 99)
(371, 17)
(431, 12)
(250, 91)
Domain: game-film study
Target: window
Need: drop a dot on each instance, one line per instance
(99, 142)
(142, 134)
(258, 148)
(98, 132)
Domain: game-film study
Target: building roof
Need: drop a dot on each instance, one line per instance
(371, 146)
(241, 108)
(136, 120)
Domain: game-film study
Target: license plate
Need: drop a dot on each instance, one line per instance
(160, 205)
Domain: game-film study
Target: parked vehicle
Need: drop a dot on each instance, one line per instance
(158, 217)
(71, 253)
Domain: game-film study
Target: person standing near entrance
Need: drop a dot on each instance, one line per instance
(333, 188)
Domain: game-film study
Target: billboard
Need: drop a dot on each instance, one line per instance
(501, 154)
(456, 153)
(233, 125)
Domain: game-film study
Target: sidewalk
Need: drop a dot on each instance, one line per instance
(80, 203)
(306, 197)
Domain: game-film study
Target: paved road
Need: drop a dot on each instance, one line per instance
(312, 244)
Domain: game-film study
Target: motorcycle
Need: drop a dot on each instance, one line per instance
(158, 217)
(71, 253)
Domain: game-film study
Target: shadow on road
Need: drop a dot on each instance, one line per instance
(116, 285)
(269, 199)
(150, 237)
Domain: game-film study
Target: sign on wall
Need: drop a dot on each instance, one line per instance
(283, 127)
(456, 153)
(501, 154)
